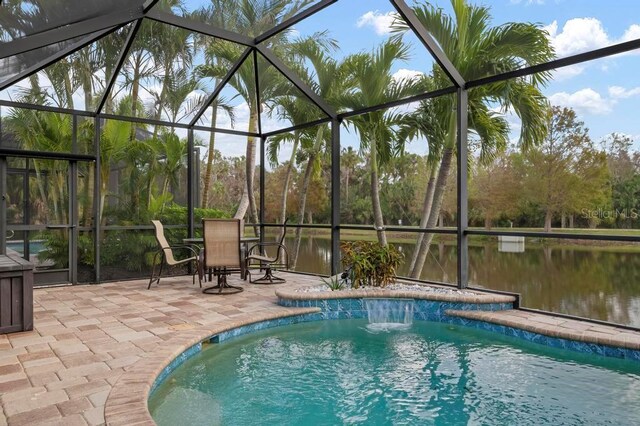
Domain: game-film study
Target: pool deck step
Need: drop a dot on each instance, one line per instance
(555, 326)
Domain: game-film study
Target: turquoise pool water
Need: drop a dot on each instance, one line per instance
(340, 372)
(35, 247)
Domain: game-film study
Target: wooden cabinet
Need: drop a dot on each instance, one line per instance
(16, 294)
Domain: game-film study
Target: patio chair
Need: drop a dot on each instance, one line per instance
(221, 239)
(266, 262)
(166, 251)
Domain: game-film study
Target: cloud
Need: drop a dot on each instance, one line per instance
(617, 92)
(632, 33)
(577, 35)
(381, 22)
(405, 74)
(565, 73)
(583, 34)
(585, 101)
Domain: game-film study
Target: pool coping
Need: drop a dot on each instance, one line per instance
(127, 403)
(552, 327)
(477, 297)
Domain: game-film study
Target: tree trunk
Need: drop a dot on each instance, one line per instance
(378, 220)
(570, 221)
(69, 91)
(134, 175)
(547, 221)
(438, 195)
(304, 191)
(346, 198)
(287, 181)
(426, 209)
(86, 205)
(108, 103)
(210, 156)
(248, 201)
(563, 220)
(487, 222)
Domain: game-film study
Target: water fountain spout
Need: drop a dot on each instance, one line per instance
(387, 314)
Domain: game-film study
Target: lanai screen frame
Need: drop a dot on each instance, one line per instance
(96, 28)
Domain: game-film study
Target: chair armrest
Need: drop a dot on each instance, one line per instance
(183, 247)
(271, 244)
(268, 244)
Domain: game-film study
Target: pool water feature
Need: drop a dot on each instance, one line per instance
(335, 372)
(387, 314)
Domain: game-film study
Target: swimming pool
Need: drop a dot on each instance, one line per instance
(336, 372)
(35, 246)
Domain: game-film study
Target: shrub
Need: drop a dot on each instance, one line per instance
(334, 283)
(370, 263)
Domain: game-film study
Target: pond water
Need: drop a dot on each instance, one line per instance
(594, 282)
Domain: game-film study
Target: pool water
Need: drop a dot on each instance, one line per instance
(341, 372)
(35, 247)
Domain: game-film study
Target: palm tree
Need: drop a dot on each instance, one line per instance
(293, 106)
(171, 152)
(375, 85)
(349, 159)
(478, 50)
(250, 17)
(46, 132)
(296, 110)
(329, 79)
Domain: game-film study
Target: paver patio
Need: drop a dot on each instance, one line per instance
(87, 336)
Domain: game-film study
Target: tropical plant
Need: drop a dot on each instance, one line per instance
(375, 85)
(334, 283)
(252, 18)
(479, 50)
(371, 263)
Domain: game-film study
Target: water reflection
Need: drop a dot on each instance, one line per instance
(594, 282)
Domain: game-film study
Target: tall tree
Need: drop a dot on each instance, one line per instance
(374, 85)
(252, 18)
(495, 188)
(565, 173)
(478, 50)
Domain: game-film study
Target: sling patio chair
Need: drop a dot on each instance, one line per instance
(258, 258)
(166, 254)
(221, 239)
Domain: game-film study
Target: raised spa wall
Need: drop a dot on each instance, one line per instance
(453, 308)
(428, 306)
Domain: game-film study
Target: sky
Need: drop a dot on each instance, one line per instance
(604, 93)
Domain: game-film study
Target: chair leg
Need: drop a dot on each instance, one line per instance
(223, 287)
(153, 270)
(199, 272)
(268, 278)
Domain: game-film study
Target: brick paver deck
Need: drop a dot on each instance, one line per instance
(86, 337)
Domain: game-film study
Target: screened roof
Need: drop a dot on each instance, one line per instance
(118, 57)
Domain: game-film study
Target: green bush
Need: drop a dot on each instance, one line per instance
(370, 263)
(132, 250)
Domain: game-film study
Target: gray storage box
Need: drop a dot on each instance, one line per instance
(16, 294)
